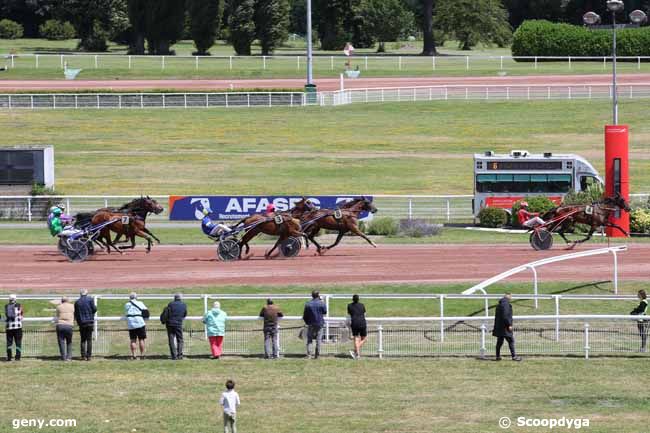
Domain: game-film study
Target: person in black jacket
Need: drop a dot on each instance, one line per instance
(177, 311)
(503, 327)
(642, 325)
(358, 326)
(84, 315)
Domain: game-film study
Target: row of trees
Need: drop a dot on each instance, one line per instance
(158, 24)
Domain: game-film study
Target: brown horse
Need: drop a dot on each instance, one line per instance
(130, 223)
(344, 220)
(595, 215)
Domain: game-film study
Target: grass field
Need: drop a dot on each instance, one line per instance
(408, 148)
(451, 62)
(329, 395)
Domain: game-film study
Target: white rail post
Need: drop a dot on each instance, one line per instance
(615, 272)
(467, 63)
(569, 63)
(380, 341)
(196, 63)
(448, 211)
(548, 91)
(185, 100)
(399, 63)
(483, 331)
(557, 317)
(486, 306)
(331, 63)
(535, 62)
(96, 62)
(36, 57)
(205, 311)
(98, 101)
(278, 340)
(230, 62)
(105, 202)
(10, 102)
(29, 209)
(264, 63)
(502, 63)
(76, 102)
(366, 63)
(638, 63)
(433, 62)
(95, 322)
(587, 341)
(604, 62)
(410, 208)
(129, 62)
(162, 62)
(442, 315)
(67, 206)
(62, 61)
(327, 318)
(298, 63)
(532, 268)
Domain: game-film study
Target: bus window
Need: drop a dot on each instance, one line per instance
(538, 183)
(559, 183)
(587, 181)
(504, 183)
(485, 182)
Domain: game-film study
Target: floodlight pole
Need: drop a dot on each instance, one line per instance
(309, 48)
(614, 86)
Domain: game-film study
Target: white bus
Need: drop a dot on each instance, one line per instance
(501, 180)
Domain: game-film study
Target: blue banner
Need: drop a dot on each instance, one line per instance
(225, 208)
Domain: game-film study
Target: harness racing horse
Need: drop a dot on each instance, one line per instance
(130, 222)
(562, 219)
(344, 220)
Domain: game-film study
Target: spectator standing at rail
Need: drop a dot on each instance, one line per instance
(14, 314)
(84, 314)
(176, 311)
(642, 325)
(215, 323)
(357, 313)
(136, 313)
(313, 316)
(271, 314)
(64, 322)
(229, 401)
(503, 327)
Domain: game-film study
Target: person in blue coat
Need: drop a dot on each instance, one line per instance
(84, 315)
(176, 313)
(314, 317)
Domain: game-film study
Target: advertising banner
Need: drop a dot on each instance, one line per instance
(229, 208)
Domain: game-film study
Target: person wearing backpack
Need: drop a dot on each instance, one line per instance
(136, 313)
(14, 327)
(215, 324)
(172, 317)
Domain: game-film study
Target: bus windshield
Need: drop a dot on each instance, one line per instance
(523, 183)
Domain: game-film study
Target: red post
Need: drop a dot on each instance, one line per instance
(617, 173)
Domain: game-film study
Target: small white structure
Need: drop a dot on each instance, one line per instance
(27, 165)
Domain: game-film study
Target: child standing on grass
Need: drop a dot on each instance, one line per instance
(229, 400)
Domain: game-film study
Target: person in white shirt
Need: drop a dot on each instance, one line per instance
(229, 400)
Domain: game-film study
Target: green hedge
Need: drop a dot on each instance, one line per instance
(492, 217)
(55, 30)
(544, 38)
(10, 30)
(382, 226)
(640, 221)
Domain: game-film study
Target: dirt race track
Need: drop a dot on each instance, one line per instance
(27, 268)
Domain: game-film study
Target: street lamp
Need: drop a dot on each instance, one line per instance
(637, 18)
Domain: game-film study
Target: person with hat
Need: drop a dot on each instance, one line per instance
(528, 219)
(270, 209)
(271, 314)
(215, 325)
(64, 320)
(14, 314)
(212, 228)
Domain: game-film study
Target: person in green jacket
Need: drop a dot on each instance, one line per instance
(215, 323)
(55, 224)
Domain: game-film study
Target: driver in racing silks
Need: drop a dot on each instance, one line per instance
(528, 219)
(212, 228)
(56, 220)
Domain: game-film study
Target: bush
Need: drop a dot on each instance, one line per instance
(10, 29)
(417, 228)
(492, 217)
(55, 30)
(640, 221)
(40, 189)
(383, 226)
(544, 38)
(539, 204)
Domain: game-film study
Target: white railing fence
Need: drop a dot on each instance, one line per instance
(98, 101)
(321, 63)
(483, 93)
(387, 336)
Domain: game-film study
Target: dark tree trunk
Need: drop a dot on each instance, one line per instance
(429, 48)
(137, 47)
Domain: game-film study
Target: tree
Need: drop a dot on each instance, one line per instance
(298, 17)
(271, 23)
(521, 10)
(91, 19)
(331, 16)
(204, 17)
(242, 25)
(474, 21)
(136, 10)
(163, 24)
(388, 20)
(426, 20)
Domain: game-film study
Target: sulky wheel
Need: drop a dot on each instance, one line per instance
(76, 250)
(541, 239)
(228, 250)
(290, 247)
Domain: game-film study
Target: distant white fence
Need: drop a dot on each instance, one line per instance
(483, 93)
(151, 100)
(321, 63)
(436, 208)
